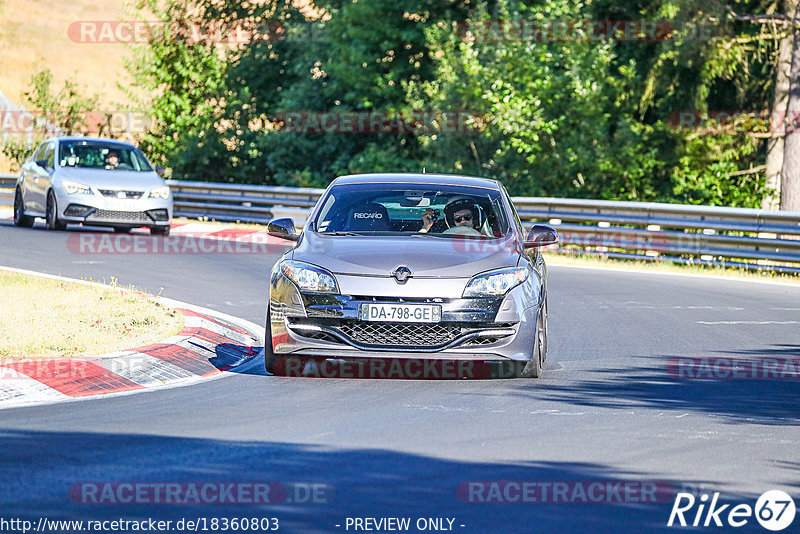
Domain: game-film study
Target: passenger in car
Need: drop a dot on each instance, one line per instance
(460, 211)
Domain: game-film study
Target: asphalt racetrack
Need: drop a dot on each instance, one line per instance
(610, 409)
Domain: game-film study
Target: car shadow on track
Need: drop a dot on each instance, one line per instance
(240, 359)
(707, 385)
(45, 474)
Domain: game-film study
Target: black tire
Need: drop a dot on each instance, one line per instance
(159, 230)
(269, 355)
(544, 345)
(52, 213)
(533, 369)
(20, 219)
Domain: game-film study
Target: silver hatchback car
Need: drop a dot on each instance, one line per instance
(410, 266)
(97, 182)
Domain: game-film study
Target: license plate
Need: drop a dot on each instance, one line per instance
(400, 313)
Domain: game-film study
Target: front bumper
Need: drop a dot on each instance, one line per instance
(98, 210)
(496, 328)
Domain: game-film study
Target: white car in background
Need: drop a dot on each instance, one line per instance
(91, 181)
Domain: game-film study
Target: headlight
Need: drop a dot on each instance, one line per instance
(495, 283)
(309, 277)
(160, 192)
(73, 188)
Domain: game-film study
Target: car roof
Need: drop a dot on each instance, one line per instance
(93, 139)
(418, 178)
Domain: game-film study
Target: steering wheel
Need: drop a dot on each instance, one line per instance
(463, 230)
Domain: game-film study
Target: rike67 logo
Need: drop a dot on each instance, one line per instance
(774, 510)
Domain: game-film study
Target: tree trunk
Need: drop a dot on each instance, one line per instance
(790, 174)
(775, 144)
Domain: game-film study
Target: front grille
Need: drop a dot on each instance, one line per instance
(319, 336)
(115, 193)
(400, 334)
(120, 216)
(482, 340)
(158, 215)
(77, 210)
(397, 335)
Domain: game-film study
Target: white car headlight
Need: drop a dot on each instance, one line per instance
(309, 277)
(73, 188)
(160, 192)
(495, 283)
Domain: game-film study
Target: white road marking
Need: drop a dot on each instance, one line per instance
(748, 322)
(17, 388)
(641, 305)
(144, 369)
(551, 263)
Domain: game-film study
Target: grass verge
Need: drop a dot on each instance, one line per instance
(42, 318)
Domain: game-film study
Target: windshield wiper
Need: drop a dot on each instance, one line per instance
(341, 233)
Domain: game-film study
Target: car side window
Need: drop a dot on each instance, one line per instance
(520, 226)
(50, 155)
(39, 154)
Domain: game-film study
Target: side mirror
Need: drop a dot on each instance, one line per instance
(161, 170)
(283, 228)
(541, 235)
(42, 163)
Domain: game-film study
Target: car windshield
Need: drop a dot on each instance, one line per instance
(98, 155)
(419, 209)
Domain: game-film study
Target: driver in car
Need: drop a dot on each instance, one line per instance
(458, 212)
(112, 159)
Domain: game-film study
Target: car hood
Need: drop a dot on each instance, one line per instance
(425, 255)
(111, 179)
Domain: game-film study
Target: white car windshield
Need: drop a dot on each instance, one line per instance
(403, 209)
(99, 155)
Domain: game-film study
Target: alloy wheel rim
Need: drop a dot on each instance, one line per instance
(540, 336)
(49, 211)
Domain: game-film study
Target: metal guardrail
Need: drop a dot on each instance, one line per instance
(7, 189)
(239, 202)
(751, 238)
(645, 230)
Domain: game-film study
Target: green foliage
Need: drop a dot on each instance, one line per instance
(709, 172)
(186, 92)
(575, 119)
(65, 112)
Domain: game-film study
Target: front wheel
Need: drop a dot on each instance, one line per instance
(159, 230)
(20, 219)
(269, 354)
(533, 369)
(52, 213)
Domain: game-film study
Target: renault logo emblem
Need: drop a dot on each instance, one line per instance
(401, 274)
